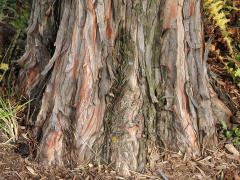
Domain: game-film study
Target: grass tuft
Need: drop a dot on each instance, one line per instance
(9, 119)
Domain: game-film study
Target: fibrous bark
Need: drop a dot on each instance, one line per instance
(122, 79)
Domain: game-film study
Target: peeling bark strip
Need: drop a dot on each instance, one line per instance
(124, 78)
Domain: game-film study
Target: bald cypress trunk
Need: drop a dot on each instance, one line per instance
(117, 81)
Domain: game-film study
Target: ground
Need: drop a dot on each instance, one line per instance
(218, 164)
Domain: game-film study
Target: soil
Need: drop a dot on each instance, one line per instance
(218, 164)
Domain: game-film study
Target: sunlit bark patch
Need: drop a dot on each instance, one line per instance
(170, 13)
(53, 147)
(192, 7)
(109, 30)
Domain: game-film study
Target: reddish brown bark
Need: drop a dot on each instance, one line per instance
(124, 78)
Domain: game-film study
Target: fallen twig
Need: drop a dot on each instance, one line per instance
(159, 172)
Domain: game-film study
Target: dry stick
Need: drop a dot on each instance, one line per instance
(159, 172)
(173, 152)
(201, 171)
(143, 175)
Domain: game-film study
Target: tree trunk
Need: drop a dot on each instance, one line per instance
(117, 81)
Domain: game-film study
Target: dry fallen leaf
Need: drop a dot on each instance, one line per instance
(232, 149)
(31, 170)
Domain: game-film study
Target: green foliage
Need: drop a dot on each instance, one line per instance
(232, 134)
(237, 73)
(6, 6)
(9, 13)
(17, 16)
(3, 67)
(219, 11)
(8, 118)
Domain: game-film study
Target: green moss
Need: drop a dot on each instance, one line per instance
(13, 14)
(138, 9)
(126, 57)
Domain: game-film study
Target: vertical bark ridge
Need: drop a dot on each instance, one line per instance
(73, 106)
(191, 103)
(41, 35)
(136, 85)
(127, 123)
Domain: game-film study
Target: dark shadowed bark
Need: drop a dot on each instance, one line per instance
(113, 81)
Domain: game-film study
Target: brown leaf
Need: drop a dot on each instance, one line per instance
(232, 149)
